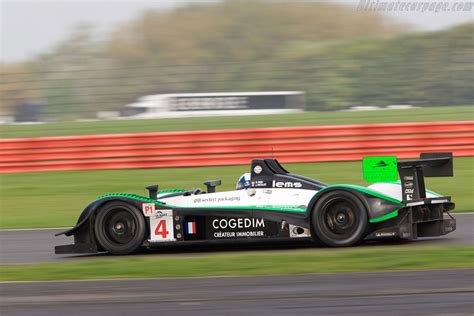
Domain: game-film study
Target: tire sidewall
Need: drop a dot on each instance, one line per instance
(320, 228)
(99, 228)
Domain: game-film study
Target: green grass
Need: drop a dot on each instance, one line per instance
(52, 199)
(448, 113)
(362, 259)
(55, 199)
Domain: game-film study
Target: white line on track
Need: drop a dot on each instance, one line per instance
(33, 229)
(65, 228)
(463, 213)
(237, 276)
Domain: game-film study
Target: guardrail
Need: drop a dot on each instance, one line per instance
(230, 147)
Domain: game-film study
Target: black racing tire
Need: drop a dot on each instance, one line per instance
(119, 228)
(339, 219)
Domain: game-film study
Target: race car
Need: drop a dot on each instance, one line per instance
(271, 203)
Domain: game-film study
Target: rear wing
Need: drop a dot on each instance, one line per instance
(412, 173)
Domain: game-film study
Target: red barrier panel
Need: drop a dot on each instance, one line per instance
(239, 134)
(232, 147)
(228, 147)
(221, 160)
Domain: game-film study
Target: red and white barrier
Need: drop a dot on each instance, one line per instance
(230, 147)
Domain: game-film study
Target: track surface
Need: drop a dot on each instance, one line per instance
(33, 246)
(441, 292)
(393, 293)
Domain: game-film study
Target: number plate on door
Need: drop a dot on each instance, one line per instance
(162, 226)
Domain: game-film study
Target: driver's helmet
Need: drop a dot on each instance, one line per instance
(244, 182)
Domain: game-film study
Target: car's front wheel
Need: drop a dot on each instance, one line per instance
(119, 228)
(339, 219)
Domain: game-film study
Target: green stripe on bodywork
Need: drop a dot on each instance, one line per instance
(385, 217)
(278, 208)
(363, 190)
(171, 191)
(130, 196)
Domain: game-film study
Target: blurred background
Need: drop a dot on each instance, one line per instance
(305, 82)
(78, 60)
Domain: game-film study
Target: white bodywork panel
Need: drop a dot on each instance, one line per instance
(271, 197)
(248, 197)
(394, 190)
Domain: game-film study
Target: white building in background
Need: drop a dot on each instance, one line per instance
(215, 104)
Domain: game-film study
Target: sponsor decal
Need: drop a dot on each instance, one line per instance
(160, 214)
(409, 187)
(281, 184)
(380, 164)
(385, 234)
(148, 209)
(259, 233)
(217, 199)
(259, 184)
(380, 169)
(257, 169)
(241, 227)
(238, 223)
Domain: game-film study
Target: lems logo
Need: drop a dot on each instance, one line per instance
(280, 184)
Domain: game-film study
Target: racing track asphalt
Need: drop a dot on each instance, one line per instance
(34, 246)
(436, 292)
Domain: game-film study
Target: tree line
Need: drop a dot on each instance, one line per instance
(338, 56)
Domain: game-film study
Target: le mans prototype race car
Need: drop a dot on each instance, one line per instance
(274, 204)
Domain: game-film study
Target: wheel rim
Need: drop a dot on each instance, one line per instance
(340, 218)
(120, 226)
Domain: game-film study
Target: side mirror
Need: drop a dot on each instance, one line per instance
(152, 191)
(211, 185)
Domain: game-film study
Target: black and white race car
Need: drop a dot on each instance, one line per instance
(270, 203)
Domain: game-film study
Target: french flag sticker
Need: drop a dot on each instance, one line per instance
(190, 228)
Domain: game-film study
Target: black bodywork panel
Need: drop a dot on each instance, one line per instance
(428, 220)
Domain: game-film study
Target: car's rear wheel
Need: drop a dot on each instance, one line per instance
(339, 219)
(119, 228)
